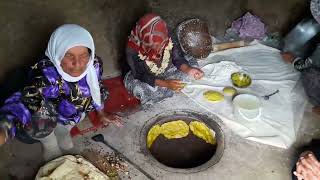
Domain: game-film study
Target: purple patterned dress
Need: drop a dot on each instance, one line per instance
(48, 100)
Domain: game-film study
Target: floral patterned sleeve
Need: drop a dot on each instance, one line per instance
(18, 108)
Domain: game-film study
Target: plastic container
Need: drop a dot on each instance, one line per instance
(247, 107)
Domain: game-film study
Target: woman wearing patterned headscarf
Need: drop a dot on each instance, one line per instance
(307, 166)
(309, 65)
(158, 67)
(64, 85)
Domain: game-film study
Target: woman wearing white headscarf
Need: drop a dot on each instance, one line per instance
(64, 85)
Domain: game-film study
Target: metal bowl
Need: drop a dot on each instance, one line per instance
(240, 79)
(194, 38)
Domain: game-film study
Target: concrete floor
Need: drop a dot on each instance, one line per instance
(242, 159)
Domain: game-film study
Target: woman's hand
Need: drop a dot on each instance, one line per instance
(107, 118)
(287, 57)
(173, 84)
(308, 167)
(195, 73)
(191, 71)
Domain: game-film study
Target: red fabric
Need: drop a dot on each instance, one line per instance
(118, 100)
(149, 30)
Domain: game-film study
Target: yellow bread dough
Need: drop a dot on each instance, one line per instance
(213, 96)
(175, 129)
(153, 133)
(230, 91)
(179, 129)
(202, 131)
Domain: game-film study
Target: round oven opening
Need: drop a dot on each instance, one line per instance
(183, 140)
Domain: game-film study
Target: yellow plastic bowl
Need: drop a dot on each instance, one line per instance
(240, 79)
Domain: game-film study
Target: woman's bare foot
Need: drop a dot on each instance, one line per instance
(316, 110)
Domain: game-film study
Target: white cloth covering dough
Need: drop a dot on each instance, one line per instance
(281, 114)
(70, 168)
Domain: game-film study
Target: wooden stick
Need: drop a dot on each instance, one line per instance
(228, 45)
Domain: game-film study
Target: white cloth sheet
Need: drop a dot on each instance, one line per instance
(281, 114)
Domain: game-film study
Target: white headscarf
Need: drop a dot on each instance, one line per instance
(66, 37)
